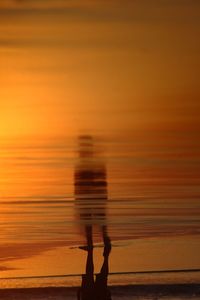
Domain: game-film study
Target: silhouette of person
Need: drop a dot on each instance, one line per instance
(95, 289)
(91, 197)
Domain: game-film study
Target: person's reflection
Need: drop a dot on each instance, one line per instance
(91, 197)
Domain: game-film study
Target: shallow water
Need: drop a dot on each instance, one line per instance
(148, 194)
(152, 207)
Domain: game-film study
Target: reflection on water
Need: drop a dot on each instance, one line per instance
(145, 193)
(91, 189)
(91, 197)
(95, 289)
(150, 190)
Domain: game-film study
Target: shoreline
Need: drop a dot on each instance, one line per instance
(136, 289)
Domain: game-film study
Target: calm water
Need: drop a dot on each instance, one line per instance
(152, 208)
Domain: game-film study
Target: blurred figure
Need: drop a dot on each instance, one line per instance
(91, 197)
(91, 189)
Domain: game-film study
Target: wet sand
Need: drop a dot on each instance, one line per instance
(176, 291)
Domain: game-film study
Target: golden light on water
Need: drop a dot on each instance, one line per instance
(126, 74)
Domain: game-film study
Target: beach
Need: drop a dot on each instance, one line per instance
(154, 292)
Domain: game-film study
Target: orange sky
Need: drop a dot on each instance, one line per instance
(70, 66)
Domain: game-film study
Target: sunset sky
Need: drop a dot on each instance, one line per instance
(70, 66)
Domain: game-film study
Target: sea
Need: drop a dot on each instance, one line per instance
(151, 215)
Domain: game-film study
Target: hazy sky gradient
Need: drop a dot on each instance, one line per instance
(67, 65)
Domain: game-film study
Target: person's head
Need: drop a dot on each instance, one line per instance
(86, 146)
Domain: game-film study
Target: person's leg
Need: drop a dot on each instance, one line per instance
(105, 236)
(106, 240)
(89, 263)
(104, 269)
(88, 233)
